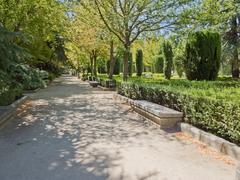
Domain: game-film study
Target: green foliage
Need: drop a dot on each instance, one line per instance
(139, 62)
(178, 62)
(29, 77)
(9, 50)
(159, 64)
(10, 90)
(130, 64)
(203, 55)
(116, 70)
(168, 59)
(210, 107)
(101, 64)
(117, 66)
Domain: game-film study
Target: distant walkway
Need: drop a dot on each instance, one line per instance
(70, 131)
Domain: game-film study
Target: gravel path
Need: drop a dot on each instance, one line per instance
(70, 131)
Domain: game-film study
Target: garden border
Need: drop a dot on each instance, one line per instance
(221, 145)
(31, 91)
(106, 89)
(10, 110)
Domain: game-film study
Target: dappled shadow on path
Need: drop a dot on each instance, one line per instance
(82, 134)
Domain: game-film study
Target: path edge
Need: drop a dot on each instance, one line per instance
(221, 145)
(11, 109)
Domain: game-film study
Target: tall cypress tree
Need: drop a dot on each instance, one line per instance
(130, 64)
(139, 62)
(203, 55)
(168, 59)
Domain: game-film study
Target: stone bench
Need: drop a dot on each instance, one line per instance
(163, 116)
(93, 83)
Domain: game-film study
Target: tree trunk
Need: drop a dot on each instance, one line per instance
(125, 62)
(91, 64)
(235, 64)
(112, 61)
(95, 64)
(235, 61)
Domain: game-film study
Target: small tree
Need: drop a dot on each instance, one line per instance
(178, 63)
(203, 54)
(159, 64)
(168, 59)
(139, 62)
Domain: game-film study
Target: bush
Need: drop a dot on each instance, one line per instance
(159, 64)
(10, 90)
(212, 110)
(139, 62)
(51, 67)
(203, 53)
(29, 77)
(168, 59)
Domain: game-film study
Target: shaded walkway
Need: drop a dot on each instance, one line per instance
(72, 132)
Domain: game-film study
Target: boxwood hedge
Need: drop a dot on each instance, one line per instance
(208, 109)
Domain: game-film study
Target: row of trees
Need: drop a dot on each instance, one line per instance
(86, 31)
(109, 27)
(32, 33)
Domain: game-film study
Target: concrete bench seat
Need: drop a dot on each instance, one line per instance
(156, 109)
(93, 83)
(163, 116)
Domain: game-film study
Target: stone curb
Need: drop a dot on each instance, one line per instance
(123, 98)
(106, 89)
(31, 91)
(10, 110)
(238, 172)
(221, 145)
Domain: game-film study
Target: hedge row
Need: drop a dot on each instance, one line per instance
(218, 116)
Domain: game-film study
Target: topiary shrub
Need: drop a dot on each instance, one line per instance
(168, 59)
(139, 62)
(159, 64)
(203, 53)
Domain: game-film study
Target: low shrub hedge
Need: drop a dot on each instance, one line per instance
(214, 108)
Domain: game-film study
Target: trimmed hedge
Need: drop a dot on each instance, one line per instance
(218, 115)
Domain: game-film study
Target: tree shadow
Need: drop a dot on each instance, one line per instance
(72, 131)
